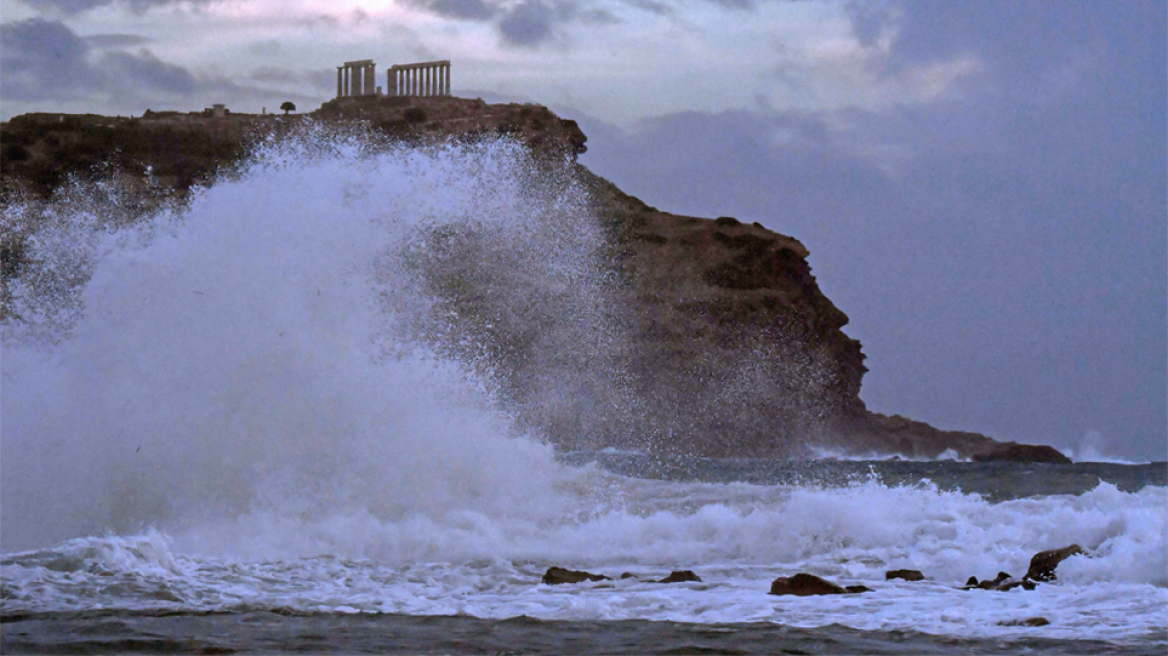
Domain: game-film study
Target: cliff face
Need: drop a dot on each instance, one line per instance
(730, 348)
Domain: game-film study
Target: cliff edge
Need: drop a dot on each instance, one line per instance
(732, 349)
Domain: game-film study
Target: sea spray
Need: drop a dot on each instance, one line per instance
(286, 395)
(263, 350)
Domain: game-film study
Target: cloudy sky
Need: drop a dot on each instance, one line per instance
(982, 184)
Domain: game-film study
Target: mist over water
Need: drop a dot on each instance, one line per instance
(263, 352)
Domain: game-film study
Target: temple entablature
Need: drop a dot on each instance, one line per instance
(424, 79)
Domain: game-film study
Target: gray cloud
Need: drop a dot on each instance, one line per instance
(267, 48)
(273, 74)
(531, 23)
(528, 24)
(734, 4)
(116, 40)
(312, 82)
(659, 8)
(45, 60)
(870, 18)
(464, 9)
(71, 7)
(67, 6)
(1008, 277)
(144, 70)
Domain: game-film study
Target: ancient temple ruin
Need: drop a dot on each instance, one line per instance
(425, 79)
(357, 78)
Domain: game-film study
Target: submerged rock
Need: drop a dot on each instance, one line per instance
(681, 576)
(906, 574)
(805, 585)
(557, 575)
(1029, 621)
(1043, 564)
(1003, 582)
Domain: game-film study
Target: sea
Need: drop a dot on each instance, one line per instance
(234, 423)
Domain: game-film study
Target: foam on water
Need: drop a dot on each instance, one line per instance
(234, 404)
(737, 537)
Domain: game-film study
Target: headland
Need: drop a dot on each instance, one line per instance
(734, 351)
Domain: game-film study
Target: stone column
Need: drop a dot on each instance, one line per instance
(339, 81)
(447, 91)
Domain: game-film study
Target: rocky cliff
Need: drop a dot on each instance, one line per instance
(730, 349)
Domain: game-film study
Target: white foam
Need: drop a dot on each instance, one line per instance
(736, 537)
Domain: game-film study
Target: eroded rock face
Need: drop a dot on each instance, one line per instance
(805, 585)
(1043, 564)
(723, 345)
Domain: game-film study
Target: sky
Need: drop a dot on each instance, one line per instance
(982, 185)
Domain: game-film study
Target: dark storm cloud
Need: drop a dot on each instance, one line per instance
(464, 9)
(1002, 257)
(45, 60)
(528, 24)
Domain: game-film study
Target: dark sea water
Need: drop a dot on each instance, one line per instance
(285, 633)
(219, 438)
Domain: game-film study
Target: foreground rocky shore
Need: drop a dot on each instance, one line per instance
(1042, 570)
(730, 348)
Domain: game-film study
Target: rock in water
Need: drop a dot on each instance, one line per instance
(557, 575)
(808, 584)
(1029, 621)
(1000, 579)
(1043, 564)
(1003, 582)
(681, 576)
(906, 574)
